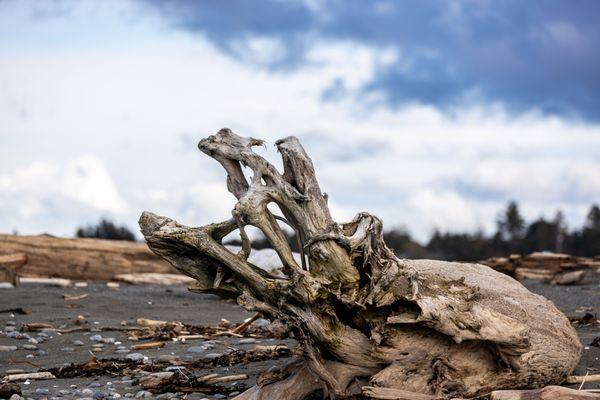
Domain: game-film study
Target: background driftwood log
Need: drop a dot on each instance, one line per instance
(364, 318)
(82, 259)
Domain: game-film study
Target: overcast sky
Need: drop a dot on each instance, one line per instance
(430, 114)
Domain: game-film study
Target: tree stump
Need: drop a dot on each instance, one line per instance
(363, 317)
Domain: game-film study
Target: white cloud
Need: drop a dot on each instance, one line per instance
(130, 105)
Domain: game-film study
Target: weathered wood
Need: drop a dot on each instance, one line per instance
(583, 378)
(547, 393)
(10, 266)
(82, 259)
(360, 314)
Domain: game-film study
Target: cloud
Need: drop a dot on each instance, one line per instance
(543, 56)
(138, 109)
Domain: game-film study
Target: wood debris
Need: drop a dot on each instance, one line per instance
(72, 297)
(10, 266)
(154, 278)
(29, 376)
(546, 393)
(555, 268)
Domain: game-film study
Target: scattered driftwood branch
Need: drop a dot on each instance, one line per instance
(547, 393)
(583, 378)
(29, 376)
(84, 259)
(10, 266)
(433, 328)
(556, 268)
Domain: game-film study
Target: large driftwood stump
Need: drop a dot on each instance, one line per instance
(363, 317)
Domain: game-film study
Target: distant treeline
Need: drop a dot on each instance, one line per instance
(513, 235)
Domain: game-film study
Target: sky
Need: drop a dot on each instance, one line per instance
(430, 114)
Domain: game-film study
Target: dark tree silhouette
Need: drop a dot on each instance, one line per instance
(106, 229)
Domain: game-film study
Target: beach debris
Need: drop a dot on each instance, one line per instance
(546, 393)
(70, 297)
(8, 389)
(148, 345)
(555, 268)
(59, 282)
(155, 278)
(338, 299)
(583, 378)
(29, 376)
(10, 266)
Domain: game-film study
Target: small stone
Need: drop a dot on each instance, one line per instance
(33, 341)
(123, 351)
(8, 348)
(121, 347)
(109, 340)
(99, 345)
(16, 397)
(167, 358)
(78, 343)
(42, 391)
(29, 346)
(67, 349)
(96, 338)
(64, 392)
(219, 396)
(233, 394)
(116, 396)
(87, 391)
(94, 384)
(196, 349)
(128, 394)
(99, 395)
(247, 341)
(29, 356)
(261, 323)
(11, 323)
(135, 356)
(9, 329)
(212, 356)
(41, 353)
(143, 394)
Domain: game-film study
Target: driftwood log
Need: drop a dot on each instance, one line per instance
(85, 259)
(364, 318)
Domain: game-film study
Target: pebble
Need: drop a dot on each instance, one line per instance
(64, 392)
(30, 347)
(212, 356)
(99, 395)
(16, 397)
(42, 391)
(94, 384)
(116, 396)
(96, 338)
(78, 343)
(87, 391)
(109, 340)
(167, 358)
(9, 329)
(233, 394)
(164, 396)
(135, 356)
(128, 395)
(17, 335)
(8, 348)
(122, 351)
(33, 341)
(121, 347)
(11, 323)
(219, 396)
(99, 345)
(247, 341)
(41, 353)
(67, 349)
(196, 349)
(143, 394)
(261, 323)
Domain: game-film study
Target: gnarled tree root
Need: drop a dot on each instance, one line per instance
(361, 315)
